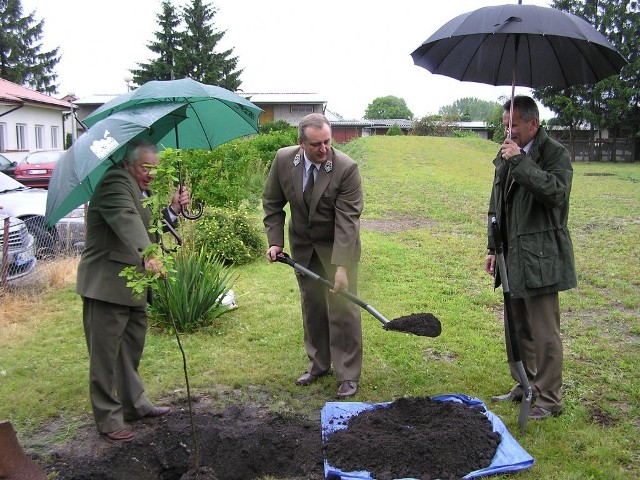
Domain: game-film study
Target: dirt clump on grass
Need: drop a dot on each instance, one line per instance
(243, 441)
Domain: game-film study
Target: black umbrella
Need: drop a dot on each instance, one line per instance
(523, 45)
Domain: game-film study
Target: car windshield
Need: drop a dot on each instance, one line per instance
(42, 157)
(7, 183)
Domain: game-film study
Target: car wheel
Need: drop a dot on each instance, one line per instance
(46, 239)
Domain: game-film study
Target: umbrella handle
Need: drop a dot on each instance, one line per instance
(183, 210)
(195, 216)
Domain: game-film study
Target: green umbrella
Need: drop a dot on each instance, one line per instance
(211, 116)
(82, 166)
(217, 114)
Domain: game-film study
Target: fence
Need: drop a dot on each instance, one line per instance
(34, 255)
(585, 151)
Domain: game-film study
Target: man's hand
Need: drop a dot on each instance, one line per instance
(273, 252)
(490, 264)
(154, 266)
(509, 149)
(341, 281)
(181, 198)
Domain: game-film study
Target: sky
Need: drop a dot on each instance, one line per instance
(349, 52)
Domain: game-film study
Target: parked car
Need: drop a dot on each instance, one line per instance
(36, 168)
(7, 166)
(29, 204)
(20, 258)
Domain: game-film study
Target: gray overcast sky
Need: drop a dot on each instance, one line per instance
(347, 51)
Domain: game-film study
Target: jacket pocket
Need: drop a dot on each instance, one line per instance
(125, 258)
(540, 260)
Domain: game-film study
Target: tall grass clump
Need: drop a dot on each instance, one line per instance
(192, 297)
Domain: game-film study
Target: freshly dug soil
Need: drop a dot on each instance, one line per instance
(414, 438)
(424, 324)
(246, 440)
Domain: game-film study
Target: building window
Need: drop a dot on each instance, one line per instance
(21, 136)
(54, 137)
(3, 137)
(301, 108)
(39, 137)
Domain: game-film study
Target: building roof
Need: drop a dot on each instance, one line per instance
(283, 97)
(12, 93)
(99, 99)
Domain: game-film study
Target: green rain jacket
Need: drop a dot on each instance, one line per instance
(533, 218)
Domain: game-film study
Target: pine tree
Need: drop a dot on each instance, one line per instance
(22, 60)
(167, 48)
(191, 51)
(198, 58)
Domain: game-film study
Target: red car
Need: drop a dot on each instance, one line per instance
(35, 169)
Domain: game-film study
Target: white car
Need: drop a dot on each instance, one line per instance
(18, 256)
(29, 205)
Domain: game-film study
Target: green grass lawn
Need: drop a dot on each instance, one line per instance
(423, 236)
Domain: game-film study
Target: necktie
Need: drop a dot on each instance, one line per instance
(309, 186)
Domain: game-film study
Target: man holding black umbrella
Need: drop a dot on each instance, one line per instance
(530, 200)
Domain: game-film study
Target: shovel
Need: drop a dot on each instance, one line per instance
(513, 345)
(421, 324)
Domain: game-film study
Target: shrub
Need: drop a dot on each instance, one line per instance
(192, 297)
(278, 125)
(230, 234)
(394, 130)
(232, 174)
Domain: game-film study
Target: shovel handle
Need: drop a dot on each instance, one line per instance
(284, 258)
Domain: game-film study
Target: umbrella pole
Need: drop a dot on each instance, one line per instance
(513, 83)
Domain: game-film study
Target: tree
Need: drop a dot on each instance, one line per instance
(22, 59)
(388, 107)
(198, 58)
(614, 102)
(167, 48)
(190, 52)
(469, 109)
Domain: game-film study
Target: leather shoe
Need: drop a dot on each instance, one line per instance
(309, 378)
(347, 388)
(119, 436)
(158, 412)
(540, 413)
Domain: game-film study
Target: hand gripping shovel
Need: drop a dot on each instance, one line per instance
(513, 346)
(423, 324)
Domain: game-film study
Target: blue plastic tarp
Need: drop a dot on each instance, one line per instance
(509, 457)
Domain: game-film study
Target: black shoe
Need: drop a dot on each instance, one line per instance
(540, 413)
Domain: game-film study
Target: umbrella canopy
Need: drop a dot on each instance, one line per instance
(523, 45)
(81, 167)
(214, 115)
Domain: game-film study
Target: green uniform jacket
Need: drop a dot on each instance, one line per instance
(533, 218)
(117, 234)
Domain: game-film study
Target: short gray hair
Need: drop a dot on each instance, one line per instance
(525, 105)
(136, 148)
(315, 120)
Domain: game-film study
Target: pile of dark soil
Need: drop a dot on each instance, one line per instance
(241, 441)
(424, 324)
(414, 438)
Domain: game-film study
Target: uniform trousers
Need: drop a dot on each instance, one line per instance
(537, 324)
(115, 336)
(332, 325)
